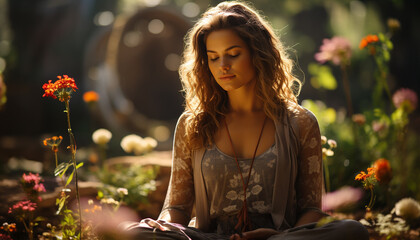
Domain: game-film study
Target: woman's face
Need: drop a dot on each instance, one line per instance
(229, 60)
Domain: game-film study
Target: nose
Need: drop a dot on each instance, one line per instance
(224, 65)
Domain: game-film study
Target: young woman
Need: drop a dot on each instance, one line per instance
(246, 157)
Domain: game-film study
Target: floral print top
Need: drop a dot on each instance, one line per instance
(224, 184)
(306, 180)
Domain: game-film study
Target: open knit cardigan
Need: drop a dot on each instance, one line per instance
(298, 174)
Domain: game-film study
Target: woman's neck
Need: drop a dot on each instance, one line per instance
(244, 102)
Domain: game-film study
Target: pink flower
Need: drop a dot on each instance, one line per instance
(33, 181)
(5, 237)
(39, 188)
(378, 126)
(405, 97)
(358, 118)
(343, 197)
(336, 49)
(23, 206)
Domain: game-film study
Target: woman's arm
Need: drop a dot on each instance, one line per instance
(180, 196)
(309, 182)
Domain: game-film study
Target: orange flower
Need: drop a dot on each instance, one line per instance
(383, 170)
(8, 227)
(62, 88)
(90, 96)
(367, 40)
(53, 142)
(94, 209)
(362, 176)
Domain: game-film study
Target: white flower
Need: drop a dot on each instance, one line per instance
(323, 140)
(327, 152)
(101, 136)
(109, 201)
(332, 143)
(134, 144)
(122, 191)
(151, 143)
(389, 226)
(407, 208)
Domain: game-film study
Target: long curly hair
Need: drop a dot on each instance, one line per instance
(206, 102)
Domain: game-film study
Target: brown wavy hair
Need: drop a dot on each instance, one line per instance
(206, 102)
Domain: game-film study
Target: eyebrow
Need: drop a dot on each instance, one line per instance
(227, 49)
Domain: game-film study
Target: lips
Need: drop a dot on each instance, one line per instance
(227, 77)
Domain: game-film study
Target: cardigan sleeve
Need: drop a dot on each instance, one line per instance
(309, 183)
(180, 195)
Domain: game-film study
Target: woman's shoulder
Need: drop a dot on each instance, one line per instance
(184, 118)
(298, 113)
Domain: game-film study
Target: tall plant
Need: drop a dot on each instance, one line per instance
(62, 89)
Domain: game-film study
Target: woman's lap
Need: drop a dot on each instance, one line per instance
(341, 229)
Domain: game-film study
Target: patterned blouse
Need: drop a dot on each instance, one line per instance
(179, 202)
(225, 188)
(224, 185)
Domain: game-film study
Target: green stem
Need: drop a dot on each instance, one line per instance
(327, 174)
(383, 72)
(73, 157)
(102, 154)
(401, 146)
(28, 230)
(372, 199)
(56, 159)
(347, 91)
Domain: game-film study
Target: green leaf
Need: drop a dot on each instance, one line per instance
(329, 115)
(70, 178)
(61, 169)
(389, 45)
(100, 194)
(79, 165)
(387, 56)
(61, 203)
(39, 219)
(322, 77)
(381, 37)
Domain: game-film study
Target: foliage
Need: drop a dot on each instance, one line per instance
(138, 180)
(62, 90)
(3, 97)
(389, 225)
(25, 210)
(378, 139)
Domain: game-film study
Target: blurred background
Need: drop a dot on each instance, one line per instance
(128, 52)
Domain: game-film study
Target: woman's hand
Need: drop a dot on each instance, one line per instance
(258, 234)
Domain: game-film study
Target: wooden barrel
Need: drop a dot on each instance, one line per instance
(133, 66)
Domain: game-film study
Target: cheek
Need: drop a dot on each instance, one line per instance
(248, 67)
(212, 68)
